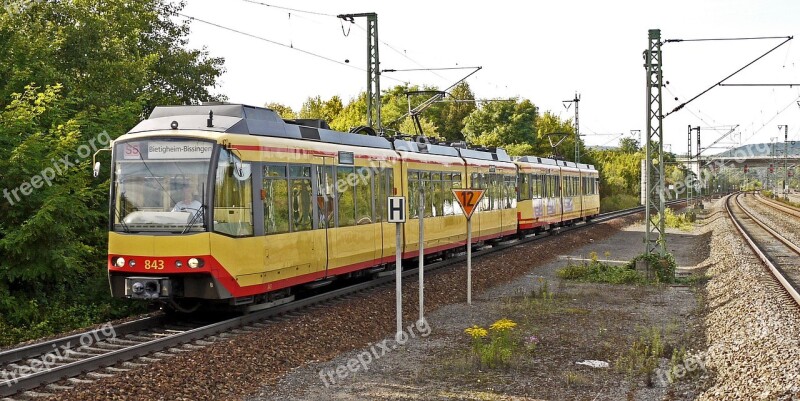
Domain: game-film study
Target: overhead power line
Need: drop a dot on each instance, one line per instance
(432, 69)
(263, 39)
(294, 10)
(720, 39)
(680, 106)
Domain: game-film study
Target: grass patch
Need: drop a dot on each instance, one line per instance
(598, 272)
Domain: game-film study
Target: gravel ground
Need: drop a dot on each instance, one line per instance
(239, 365)
(782, 222)
(752, 329)
(584, 322)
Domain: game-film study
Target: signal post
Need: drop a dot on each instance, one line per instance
(469, 199)
(397, 215)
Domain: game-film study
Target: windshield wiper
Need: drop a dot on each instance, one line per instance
(119, 214)
(194, 219)
(121, 221)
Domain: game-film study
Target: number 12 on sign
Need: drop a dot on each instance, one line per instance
(469, 200)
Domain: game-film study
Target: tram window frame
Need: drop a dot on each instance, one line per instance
(511, 191)
(365, 213)
(324, 195)
(413, 188)
(243, 226)
(276, 173)
(343, 191)
(300, 173)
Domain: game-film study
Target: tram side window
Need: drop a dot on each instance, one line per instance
(511, 194)
(438, 194)
(276, 200)
(233, 196)
(379, 189)
(540, 186)
(302, 211)
(457, 180)
(364, 196)
(447, 194)
(413, 194)
(524, 187)
(345, 196)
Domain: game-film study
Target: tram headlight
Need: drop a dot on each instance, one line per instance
(195, 263)
(178, 263)
(120, 262)
(132, 263)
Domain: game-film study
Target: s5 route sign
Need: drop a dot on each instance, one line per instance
(468, 199)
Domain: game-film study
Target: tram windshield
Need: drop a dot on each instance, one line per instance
(161, 185)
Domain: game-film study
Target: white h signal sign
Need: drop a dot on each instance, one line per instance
(397, 209)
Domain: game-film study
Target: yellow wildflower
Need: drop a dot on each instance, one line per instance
(503, 325)
(476, 332)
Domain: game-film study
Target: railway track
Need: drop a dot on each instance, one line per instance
(779, 255)
(778, 205)
(109, 350)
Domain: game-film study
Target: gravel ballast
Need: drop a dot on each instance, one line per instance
(238, 365)
(752, 328)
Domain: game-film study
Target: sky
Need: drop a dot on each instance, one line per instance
(544, 51)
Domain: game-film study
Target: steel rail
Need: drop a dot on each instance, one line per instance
(780, 206)
(51, 375)
(774, 270)
(38, 349)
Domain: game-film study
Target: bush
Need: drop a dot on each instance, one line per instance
(618, 202)
(599, 272)
(682, 221)
(663, 267)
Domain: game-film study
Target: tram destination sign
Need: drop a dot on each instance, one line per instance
(167, 150)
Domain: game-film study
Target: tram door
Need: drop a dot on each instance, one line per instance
(324, 195)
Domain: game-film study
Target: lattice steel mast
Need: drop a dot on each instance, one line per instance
(654, 159)
(373, 69)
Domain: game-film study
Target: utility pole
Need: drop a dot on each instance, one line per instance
(576, 100)
(785, 156)
(654, 175)
(689, 169)
(699, 166)
(373, 68)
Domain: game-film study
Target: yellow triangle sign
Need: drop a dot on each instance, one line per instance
(468, 199)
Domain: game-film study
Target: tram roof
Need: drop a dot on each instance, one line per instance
(259, 121)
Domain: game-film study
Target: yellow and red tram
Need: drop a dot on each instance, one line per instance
(231, 204)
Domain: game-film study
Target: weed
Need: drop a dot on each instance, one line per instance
(682, 221)
(497, 352)
(642, 358)
(531, 342)
(599, 272)
(663, 266)
(575, 379)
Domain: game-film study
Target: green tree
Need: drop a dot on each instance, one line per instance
(396, 102)
(69, 71)
(352, 115)
(502, 123)
(628, 145)
(282, 110)
(449, 116)
(317, 108)
(550, 129)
